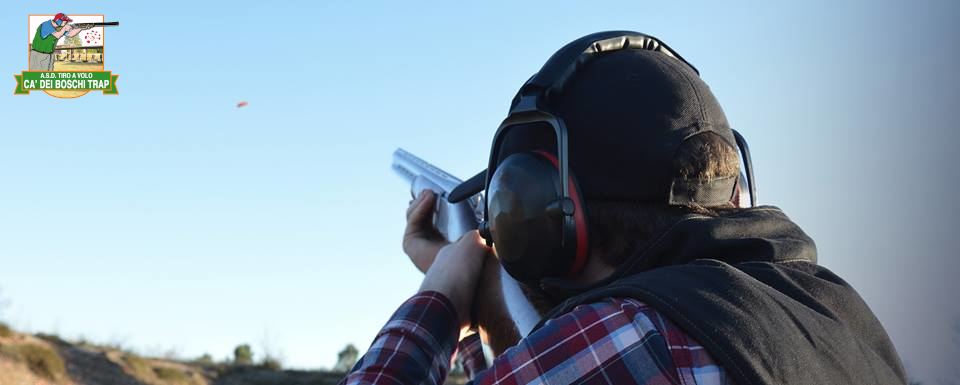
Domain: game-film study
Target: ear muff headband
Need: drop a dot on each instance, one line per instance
(747, 166)
(554, 74)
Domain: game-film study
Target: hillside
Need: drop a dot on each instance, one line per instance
(27, 359)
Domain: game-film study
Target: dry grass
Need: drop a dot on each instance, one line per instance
(5, 331)
(158, 371)
(138, 367)
(41, 360)
(171, 375)
(27, 359)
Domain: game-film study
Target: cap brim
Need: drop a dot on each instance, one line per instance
(468, 188)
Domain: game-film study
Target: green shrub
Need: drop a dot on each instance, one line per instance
(171, 375)
(346, 359)
(271, 363)
(5, 330)
(52, 338)
(243, 355)
(204, 360)
(41, 360)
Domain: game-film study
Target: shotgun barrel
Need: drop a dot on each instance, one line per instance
(93, 25)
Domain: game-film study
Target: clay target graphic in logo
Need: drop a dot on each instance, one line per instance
(93, 37)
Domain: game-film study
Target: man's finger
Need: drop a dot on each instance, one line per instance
(422, 209)
(414, 203)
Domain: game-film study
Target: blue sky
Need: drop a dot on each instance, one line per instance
(166, 217)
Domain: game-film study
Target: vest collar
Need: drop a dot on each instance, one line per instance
(758, 234)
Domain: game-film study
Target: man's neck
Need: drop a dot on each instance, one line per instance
(594, 271)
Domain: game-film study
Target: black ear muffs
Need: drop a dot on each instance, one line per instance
(528, 225)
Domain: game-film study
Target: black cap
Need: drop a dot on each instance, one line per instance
(627, 112)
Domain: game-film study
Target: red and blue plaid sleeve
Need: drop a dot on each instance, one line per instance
(414, 347)
(615, 341)
(470, 354)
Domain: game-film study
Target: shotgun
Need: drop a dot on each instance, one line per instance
(92, 25)
(503, 312)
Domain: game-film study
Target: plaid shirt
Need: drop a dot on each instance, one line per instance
(614, 341)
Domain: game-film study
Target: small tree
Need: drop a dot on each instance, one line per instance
(73, 41)
(206, 360)
(242, 355)
(346, 358)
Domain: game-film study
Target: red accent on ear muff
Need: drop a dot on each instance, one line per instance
(579, 218)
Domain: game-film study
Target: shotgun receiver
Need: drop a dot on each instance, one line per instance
(451, 219)
(502, 311)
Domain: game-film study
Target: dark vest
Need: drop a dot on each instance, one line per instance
(747, 287)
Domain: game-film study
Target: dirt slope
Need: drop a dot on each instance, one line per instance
(47, 360)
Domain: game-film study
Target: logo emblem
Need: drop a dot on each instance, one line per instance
(66, 57)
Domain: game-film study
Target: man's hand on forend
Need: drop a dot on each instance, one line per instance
(421, 240)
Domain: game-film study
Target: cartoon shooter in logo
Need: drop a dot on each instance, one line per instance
(41, 54)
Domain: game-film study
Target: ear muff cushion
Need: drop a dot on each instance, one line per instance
(525, 234)
(579, 217)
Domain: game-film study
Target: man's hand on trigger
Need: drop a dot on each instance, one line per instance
(421, 240)
(455, 272)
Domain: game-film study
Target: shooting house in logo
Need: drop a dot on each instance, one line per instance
(66, 56)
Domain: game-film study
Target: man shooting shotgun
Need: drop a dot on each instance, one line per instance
(503, 311)
(49, 32)
(616, 188)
